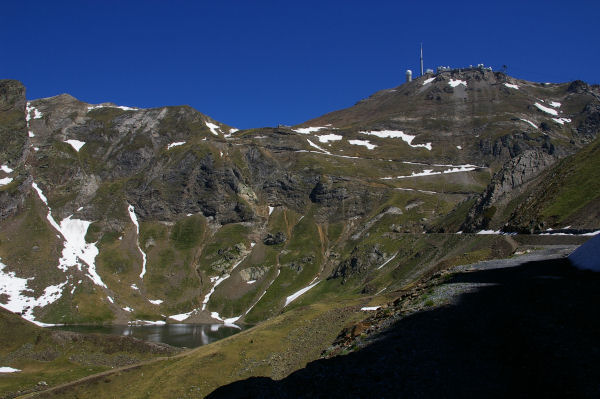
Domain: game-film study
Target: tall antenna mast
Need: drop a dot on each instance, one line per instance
(421, 59)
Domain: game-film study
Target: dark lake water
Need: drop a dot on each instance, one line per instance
(180, 335)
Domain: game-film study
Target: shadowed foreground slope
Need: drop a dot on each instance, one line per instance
(531, 330)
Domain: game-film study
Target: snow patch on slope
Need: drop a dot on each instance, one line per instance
(29, 110)
(75, 248)
(329, 137)
(98, 106)
(16, 290)
(76, 144)
(298, 293)
(308, 130)
(512, 86)
(8, 370)
(181, 316)
(364, 143)
(397, 134)
(213, 128)
(546, 109)
(175, 144)
(4, 181)
(134, 220)
(431, 172)
(528, 121)
(317, 147)
(457, 82)
(561, 121)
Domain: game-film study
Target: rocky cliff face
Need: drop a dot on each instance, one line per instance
(111, 213)
(506, 185)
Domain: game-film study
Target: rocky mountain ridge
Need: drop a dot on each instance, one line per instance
(166, 215)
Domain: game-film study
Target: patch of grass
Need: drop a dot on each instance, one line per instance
(114, 261)
(187, 232)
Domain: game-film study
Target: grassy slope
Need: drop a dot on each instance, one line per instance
(275, 348)
(57, 357)
(286, 342)
(564, 191)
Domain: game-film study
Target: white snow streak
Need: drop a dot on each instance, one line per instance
(263, 294)
(317, 147)
(430, 172)
(271, 208)
(177, 143)
(370, 308)
(555, 104)
(8, 370)
(295, 295)
(512, 86)
(219, 280)
(561, 121)
(134, 220)
(213, 128)
(387, 261)
(546, 109)
(364, 143)
(530, 122)
(124, 108)
(426, 81)
(155, 301)
(6, 169)
(397, 134)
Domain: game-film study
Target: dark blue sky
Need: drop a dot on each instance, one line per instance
(260, 63)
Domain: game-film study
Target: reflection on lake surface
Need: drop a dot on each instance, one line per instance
(180, 335)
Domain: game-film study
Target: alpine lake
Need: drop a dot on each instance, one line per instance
(179, 335)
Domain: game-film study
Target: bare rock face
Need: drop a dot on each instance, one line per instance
(253, 273)
(342, 198)
(275, 239)
(13, 139)
(514, 175)
(13, 132)
(359, 262)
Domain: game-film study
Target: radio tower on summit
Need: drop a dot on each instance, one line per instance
(421, 59)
